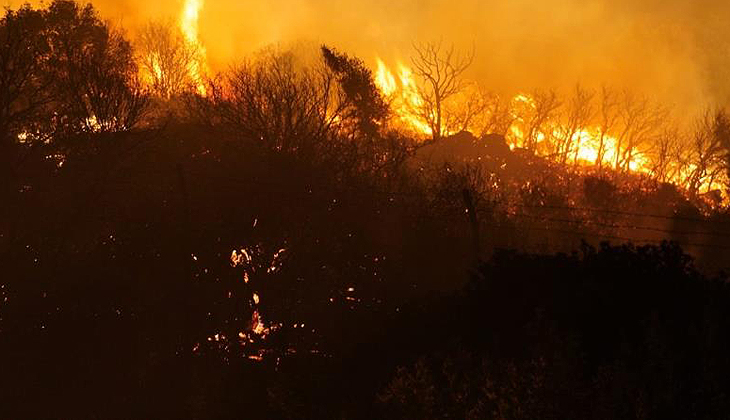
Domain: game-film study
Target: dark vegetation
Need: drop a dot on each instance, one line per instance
(277, 249)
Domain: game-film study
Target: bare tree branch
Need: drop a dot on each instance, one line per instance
(440, 71)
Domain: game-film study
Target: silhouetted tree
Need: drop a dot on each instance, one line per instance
(93, 71)
(285, 106)
(440, 70)
(23, 92)
(467, 110)
(639, 121)
(541, 110)
(578, 114)
(166, 57)
(664, 153)
(704, 156)
(496, 117)
(62, 72)
(722, 134)
(362, 113)
(608, 115)
(365, 104)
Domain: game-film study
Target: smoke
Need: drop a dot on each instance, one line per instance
(676, 51)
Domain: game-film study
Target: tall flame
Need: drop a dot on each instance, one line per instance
(189, 26)
(403, 95)
(384, 79)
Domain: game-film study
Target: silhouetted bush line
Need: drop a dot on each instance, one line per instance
(590, 335)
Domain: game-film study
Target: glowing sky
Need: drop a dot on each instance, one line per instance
(675, 50)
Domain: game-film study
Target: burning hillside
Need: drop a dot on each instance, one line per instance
(599, 127)
(202, 216)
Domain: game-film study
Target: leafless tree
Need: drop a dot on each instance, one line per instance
(607, 116)
(722, 134)
(316, 110)
(578, 114)
(466, 110)
(166, 58)
(544, 107)
(705, 155)
(103, 85)
(270, 101)
(440, 72)
(639, 120)
(113, 104)
(664, 149)
(664, 165)
(497, 117)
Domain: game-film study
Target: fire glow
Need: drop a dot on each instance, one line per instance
(588, 144)
(189, 18)
(403, 95)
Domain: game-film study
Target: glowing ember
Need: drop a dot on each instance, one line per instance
(257, 324)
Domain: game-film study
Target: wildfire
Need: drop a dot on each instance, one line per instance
(189, 18)
(407, 105)
(588, 145)
(403, 95)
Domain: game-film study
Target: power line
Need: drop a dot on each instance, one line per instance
(615, 226)
(608, 236)
(278, 187)
(363, 191)
(617, 212)
(546, 206)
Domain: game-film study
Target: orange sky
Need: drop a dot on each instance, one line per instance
(675, 50)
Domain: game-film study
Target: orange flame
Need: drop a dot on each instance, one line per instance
(189, 18)
(403, 95)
